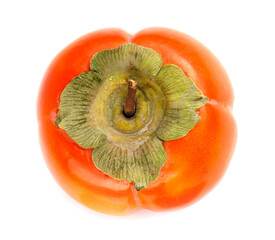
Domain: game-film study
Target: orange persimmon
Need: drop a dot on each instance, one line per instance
(194, 163)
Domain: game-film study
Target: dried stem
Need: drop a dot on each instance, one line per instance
(130, 103)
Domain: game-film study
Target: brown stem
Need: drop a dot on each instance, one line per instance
(129, 107)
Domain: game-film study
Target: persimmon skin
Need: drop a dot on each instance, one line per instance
(195, 163)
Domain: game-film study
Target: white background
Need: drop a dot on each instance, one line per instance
(239, 33)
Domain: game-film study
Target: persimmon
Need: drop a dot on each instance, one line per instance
(136, 121)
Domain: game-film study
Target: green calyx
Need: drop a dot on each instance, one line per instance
(129, 148)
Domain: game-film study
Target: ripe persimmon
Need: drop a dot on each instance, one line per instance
(136, 121)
